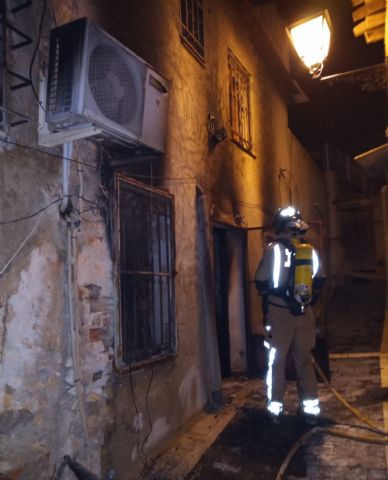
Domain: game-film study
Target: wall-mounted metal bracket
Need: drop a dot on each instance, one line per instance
(27, 40)
(25, 82)
(22, 6)
(19, 122)
(21, 40)
(369, 79)
(22, 118)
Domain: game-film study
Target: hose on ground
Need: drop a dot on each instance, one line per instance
(381, 437)
(330, 431)
(344, 402)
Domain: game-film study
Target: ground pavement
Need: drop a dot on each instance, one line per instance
(240, 442)
(252, 448)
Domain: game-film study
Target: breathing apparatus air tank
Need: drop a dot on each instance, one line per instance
(303, 276)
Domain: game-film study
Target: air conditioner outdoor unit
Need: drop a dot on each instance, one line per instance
(95, 80)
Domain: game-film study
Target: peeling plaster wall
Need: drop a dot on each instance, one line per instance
(33, 343)
(30, 378)
(40, 417)
(128, 417)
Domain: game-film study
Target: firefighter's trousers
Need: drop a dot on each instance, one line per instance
(298, 333)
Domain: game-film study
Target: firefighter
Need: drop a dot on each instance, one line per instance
(288, 277)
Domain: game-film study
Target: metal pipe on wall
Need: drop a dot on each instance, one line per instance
(66, 210)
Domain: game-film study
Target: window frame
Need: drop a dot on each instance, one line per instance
(121, 351)
(238, 125)
(194, 42)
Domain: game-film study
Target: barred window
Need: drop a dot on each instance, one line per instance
(240, 115)
(146, 272)
(192, 27)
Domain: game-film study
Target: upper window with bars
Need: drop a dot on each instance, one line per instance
(192, 33)
(239, 92)
(146, 272)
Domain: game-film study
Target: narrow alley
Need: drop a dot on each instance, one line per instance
(177, 178)
(251, 447)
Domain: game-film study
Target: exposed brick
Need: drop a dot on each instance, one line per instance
(96, 334)
(14, 475)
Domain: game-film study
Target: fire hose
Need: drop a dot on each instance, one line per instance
(380, 437)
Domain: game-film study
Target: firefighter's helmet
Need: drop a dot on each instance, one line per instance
(289, 219)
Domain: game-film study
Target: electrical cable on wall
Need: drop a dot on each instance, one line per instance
(8, 263)
(150, 424)
(137, 422)
(76, 359)
(142, 458)
(23, 243)
(94, 206)
(140, 453)
(71, 293)
(183, 180)
(31, 215)
(45, 152)
(152, 366)
(141, 446)
(202, 184)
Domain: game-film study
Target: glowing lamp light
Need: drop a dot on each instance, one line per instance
(311, 40)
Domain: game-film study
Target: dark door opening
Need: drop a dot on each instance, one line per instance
(221, 273)
(230, 299)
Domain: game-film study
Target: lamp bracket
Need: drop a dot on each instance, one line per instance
(369, 79)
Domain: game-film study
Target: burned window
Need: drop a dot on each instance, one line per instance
(192, 27)
(240, 116)
(146, 272)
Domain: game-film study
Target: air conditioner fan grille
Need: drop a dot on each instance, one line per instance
(116, 87)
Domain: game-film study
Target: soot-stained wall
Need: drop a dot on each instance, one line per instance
(60, 389)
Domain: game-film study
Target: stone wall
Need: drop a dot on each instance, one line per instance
(60, 391)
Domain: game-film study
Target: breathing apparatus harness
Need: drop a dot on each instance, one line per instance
(297, 290)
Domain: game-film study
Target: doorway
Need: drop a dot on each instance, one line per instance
(230, 299)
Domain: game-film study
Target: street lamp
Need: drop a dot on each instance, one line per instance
(311, 40)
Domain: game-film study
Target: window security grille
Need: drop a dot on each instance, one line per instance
(240, 115)
(192, 33)
(146, 266)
